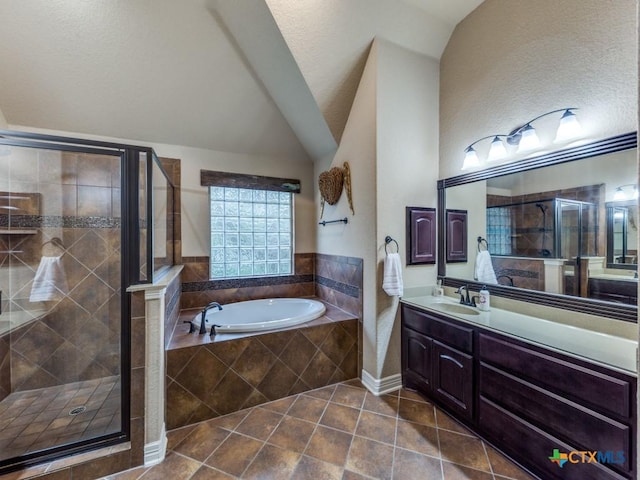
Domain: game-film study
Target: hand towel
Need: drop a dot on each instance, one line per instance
(392, 276)
(50, 282)
(484, 268)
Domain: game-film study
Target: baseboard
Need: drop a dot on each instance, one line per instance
(383, 385)
(154, 452)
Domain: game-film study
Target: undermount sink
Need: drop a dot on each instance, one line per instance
(456, 308)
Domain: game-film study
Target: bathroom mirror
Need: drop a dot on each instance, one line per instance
(553, 229)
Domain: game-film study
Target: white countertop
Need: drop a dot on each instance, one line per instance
(602, 348)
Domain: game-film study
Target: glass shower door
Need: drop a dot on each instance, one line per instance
(61, 316)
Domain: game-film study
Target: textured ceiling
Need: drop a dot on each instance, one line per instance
(170, 71)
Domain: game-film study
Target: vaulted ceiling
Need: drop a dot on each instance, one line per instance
(245, 76)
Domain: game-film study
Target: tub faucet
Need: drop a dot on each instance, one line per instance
(203, 316)
(465, 300)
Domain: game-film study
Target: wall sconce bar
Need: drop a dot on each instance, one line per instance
(524, 138)
(620, 194)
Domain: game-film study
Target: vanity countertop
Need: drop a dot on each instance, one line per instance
(612, 276)
(610, 350)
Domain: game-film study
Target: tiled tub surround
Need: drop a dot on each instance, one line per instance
(212, 376)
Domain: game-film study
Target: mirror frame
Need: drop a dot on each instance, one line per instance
(628, 313)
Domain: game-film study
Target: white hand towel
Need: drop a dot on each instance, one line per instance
(392, 276)
(484, 268)
(50, 282)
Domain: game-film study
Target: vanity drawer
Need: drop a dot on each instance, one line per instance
(602, 392)
(448, 332)
(581, 426)
(530, 445)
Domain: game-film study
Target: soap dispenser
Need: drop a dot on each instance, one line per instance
(438, 291)
(484, 299)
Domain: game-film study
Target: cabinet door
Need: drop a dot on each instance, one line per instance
(421, 235)
(456, 221)
(416, 359)
(453, 378)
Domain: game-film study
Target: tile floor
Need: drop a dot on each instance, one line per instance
(36, 419)
(340, 432)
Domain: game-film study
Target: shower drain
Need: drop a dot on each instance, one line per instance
(77, 410)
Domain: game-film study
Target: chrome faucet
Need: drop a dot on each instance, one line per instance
(203, 316)
(465, 300)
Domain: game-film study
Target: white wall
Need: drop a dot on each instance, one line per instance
(407, 172)
(508, 62)
(3, 121)
(391, 143)
(195, 206)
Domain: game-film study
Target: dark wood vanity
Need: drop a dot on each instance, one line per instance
(524, 399)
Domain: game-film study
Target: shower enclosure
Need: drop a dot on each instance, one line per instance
(74, 217)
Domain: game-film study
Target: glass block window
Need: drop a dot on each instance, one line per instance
(499, 231)
(251, 232)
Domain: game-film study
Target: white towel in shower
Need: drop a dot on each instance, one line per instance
(50, 282)
(484, 268)
(392, 276)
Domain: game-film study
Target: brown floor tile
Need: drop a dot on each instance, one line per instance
(174, 437)
(272, 463)
(504, 467)
(307, 408)
(280, 406)
(445, 422)
(340, 417)
(370, 458)
(175, 467)
(415, 466)
(418, 412)
(292, 434)
(260, 423)
(206, 473)
(229, 421)
(235, 454)
(133, 474)
(329, 445)
(349, 396)
(377, 427)
(418, 438)
(201, 441)
(311, 468)
(411, 395)
(463, 450)
(384, 404)
(453, 471)
(323, 393)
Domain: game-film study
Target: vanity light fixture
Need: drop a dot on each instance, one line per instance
(620, 194)
(524, 138)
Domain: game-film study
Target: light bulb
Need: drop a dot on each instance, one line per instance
(528, 140)
(568, 128)
(497, 150)
(619, 195)
(471, 159)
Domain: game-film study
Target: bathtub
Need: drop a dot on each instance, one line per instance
(259, 315)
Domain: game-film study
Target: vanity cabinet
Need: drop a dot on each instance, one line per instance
(619, 291)
(524, 399)
(437, 360)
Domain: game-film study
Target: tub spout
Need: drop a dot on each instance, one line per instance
(203, 316)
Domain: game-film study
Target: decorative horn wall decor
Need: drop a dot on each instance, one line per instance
(331, 184)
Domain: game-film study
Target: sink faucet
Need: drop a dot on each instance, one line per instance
(203, 316)
(465, 300)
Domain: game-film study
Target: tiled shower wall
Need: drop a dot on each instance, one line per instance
(76, 338)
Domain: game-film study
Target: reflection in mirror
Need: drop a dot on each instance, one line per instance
(622, 235)
(547, 228)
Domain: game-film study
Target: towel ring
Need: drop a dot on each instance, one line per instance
(480, 242)
(387, 241)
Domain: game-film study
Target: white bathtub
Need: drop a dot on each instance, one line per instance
(258, 315)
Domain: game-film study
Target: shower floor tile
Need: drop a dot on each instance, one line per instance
(39, 419)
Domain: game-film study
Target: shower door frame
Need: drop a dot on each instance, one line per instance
(130, 262)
